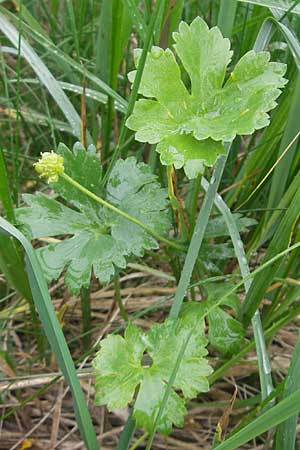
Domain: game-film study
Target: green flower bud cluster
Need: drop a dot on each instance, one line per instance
(50, 166)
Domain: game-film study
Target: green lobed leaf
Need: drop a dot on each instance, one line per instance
(217, 226)
(225, 333)
(97, 239)
(189, 127)
(119, 370)
(212, 252)
(84, 166)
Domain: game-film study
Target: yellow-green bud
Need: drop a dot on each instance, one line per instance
(50, 166)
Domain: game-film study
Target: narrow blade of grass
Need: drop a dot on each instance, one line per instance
(137, 18)
(44, 75)
(28, 17)
(264, 365)
(198, 234)
(113, 34)
(126, 434)
(282, 170)
(274, 416)
(134, 91)
(54, 334)
(286, 431)
(11, 261)
(71, 14)
(226, 16)
(67, 60)
(279, 242)
(283, 5)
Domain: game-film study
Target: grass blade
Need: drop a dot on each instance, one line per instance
(198, 234)
(286, 432)
(67, 60)
(71, 13)
(134, 90)
(264, 365)
(54, 334)
(70, 87)
(11, 262)
(283, 5)
(282, 170)
(279, 242)
(137, 18)
(126, 434)
(44, 75)
(226, 16)
(113, 35)
(274, 416)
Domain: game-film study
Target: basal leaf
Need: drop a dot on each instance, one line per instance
(213, 251)
(186, 151)
(189, 127)
(242, 105)
(148, 402)
(119, 365)
(217, 227)
(225, 333)
(97, 239)
(84, 167)
(205, 55)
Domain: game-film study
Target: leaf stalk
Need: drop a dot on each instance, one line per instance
(122, 213)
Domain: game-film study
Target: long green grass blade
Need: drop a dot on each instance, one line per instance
(70, 87)
(198, 234)
(134, 91)
(286, 431)
(28, 17)
(113, 35)
(54, 334)
(44, 75)
(282, 170)
(67, 60)
(279, 242)
(11, 261)
(71, 13)
(226, 16)
(264, 364)
(137, 18)
(283, 5)
(126, 434)
(274, 416)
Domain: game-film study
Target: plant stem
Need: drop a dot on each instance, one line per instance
(86, 316)
(175, 203)
(122, 213)
(194, 201)
(198, 234)
(139, 441)
(118, 297)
